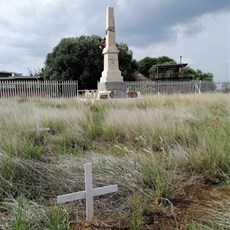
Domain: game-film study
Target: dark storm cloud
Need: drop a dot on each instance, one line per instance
(29, 30)
(146, 22)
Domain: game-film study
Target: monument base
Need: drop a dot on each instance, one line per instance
(119, 87)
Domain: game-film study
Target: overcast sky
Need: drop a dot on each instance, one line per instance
(197, 30)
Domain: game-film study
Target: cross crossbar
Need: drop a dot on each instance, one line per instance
(38, 128)
(82, 195)
(89, 192)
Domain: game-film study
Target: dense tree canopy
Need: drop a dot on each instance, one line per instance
(82, 59)
(127, 64)
(198, 74)
(147, 66)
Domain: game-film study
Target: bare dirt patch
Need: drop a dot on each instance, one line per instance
(194, 205)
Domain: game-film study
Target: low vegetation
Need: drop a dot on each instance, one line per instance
(169, 155)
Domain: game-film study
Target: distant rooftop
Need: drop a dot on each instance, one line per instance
(170, 71)
(4, 73)
(9, 75)
(170, 66)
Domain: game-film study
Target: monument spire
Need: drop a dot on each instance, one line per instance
(111, 79)
(111, 65)
(110, 26)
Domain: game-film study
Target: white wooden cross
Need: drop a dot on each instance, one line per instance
(89, 192)
(37, 126)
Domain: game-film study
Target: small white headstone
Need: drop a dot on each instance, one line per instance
(89, 192)
(38, 128)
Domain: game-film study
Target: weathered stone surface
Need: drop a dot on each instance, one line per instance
(119, 87)
(111, 71)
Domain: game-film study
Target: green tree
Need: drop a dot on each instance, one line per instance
(75, 59)
(189, 72)
(153, 69)
(199, 75)
(82, 59)
(165, 60)
(147, 65)
(127, 64)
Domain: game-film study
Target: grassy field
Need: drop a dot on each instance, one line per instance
(169, 155)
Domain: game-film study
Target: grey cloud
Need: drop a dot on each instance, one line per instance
(154, 22)
(30, 29)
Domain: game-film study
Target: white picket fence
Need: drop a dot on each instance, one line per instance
(170, 87)
(38, 89)
(165, 87)
(56, 89)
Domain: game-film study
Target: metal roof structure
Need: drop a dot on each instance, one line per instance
(164, 68)
(170, 72)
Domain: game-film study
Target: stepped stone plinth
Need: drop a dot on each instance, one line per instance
(111, 78)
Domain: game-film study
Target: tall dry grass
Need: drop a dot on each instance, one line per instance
(153, 147)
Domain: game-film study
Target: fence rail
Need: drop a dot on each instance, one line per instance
(170, 87)
(44, 89)
(52, 89)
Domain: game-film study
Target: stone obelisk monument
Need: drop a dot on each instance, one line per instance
(111, 78)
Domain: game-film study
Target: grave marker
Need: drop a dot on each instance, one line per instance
(89, 192)
(38, 128)
(111, 79)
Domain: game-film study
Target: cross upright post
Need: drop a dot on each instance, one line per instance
(89, 192)
(37, 126)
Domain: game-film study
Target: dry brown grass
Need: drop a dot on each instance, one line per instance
(170, 156)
